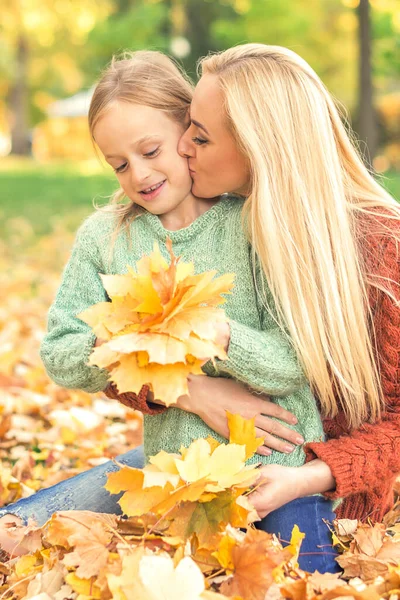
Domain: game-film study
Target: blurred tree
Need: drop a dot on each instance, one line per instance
(50, 49)
(321, 31)
(134, 25)
(366, 118)
(194, 20)
(40, 37)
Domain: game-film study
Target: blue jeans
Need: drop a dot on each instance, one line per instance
(86, 492)
(81, 492)
(316, 552)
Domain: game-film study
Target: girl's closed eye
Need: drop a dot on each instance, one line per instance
(121, 168)
(152, 153)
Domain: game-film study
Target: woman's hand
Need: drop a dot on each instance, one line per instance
(279, 485)
(211, 397)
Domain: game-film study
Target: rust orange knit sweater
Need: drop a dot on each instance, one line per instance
(366, 461)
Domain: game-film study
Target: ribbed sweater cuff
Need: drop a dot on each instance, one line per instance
(241, 347)
(135, 401)
(245, 354)
(348, 480)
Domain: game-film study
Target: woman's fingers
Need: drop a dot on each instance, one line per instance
(278, 430)
(271, 409)
(273, 443)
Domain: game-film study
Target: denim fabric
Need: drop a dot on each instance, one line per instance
(81, 492)
(316, 552)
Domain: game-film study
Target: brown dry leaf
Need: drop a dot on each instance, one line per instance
(345, 528)
(254, 562)
(91, 552)
(346, 592)
(369, 539)
(66, 528)
(365, 567)
(49, 581)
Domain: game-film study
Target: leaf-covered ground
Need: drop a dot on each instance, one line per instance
(177, 542)
(46, 433)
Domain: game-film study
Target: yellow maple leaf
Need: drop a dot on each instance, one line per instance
(127, 585)
(84, 587)
(224, 467)
(242, 431)
(167, 382)
(224, 552)
(165, 461)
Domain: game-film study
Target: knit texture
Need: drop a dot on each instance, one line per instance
(260, 355)
(365, 462)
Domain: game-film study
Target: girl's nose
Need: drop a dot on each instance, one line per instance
(139, 173)
(185, 146)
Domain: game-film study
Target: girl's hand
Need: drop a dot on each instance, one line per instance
(211, 397)
(223, 335)
(280, 485)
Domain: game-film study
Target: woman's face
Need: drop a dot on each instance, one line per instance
(215, 163)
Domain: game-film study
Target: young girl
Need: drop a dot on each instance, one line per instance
(137, 116)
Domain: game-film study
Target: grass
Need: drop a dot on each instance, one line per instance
(44, 194)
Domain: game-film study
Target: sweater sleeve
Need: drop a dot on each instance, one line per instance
(66, 347)
(262, 358)
(362, 459)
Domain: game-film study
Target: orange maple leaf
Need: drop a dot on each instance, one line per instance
(160, 325)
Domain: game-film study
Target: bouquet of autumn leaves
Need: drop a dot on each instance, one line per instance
(159, 326)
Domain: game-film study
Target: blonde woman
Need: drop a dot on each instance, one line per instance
(327, 237)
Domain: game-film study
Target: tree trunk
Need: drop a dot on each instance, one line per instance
(20, 143)
(367, 127)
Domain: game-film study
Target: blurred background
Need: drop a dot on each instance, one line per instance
(51, 54)
(52, 51)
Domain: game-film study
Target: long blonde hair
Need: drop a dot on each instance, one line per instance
(144, 77)
(309, 191)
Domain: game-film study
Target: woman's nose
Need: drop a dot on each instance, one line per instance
(185, 146)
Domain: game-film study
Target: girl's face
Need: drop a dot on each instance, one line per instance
(216, 165)
(140, 143)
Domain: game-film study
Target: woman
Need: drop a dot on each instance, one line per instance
(327, 237)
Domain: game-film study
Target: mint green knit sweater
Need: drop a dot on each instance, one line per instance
(259, 354)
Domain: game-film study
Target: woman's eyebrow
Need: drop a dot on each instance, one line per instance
(200, 126)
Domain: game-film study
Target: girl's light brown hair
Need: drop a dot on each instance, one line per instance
(144, 77)
(310, 194)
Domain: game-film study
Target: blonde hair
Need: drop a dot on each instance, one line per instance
(144, 77)
(308, 190)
